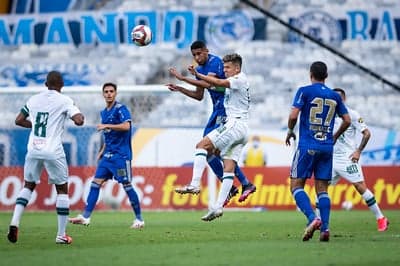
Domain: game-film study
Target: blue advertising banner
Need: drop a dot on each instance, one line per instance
(336, 25)
(95, 28)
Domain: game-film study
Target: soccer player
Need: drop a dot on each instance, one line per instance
(114, 157)
(210, 65)
(46, 113)
(318, 105)
(230, 137)
(346, 164)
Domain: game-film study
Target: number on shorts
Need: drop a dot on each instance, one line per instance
(41, 124)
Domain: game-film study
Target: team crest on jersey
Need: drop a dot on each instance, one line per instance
(319, 25)
(360, 120)
(234, 26)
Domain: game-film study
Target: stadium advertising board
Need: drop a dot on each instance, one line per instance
(156, 189)
(180, 27)
(158, 146)
(334, 25)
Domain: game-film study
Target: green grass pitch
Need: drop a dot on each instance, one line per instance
(181, 238)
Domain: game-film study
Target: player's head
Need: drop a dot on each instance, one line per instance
(232, 64)
(109, 92)
(199, 51)
(54, 80)
(318, 71)
(341, 92)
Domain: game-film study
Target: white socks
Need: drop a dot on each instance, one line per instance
(62, 206)
(367, 196)
(199, 163)
(22, 200)
(226, 186)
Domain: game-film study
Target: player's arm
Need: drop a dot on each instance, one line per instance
(197, 94)
(125, 126)
(214, 81)
(22, 120)
(292, 121)
(193, 82)
(78, 119)
(355, 156)
(101, 151)
(343, 126)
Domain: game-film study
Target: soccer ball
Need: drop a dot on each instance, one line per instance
(141, 35)
(347, 205)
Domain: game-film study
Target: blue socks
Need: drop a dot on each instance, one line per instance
(215, 162)
(91, 199)
(242, 178)
(216, 165)
(324, 205)
(134, 199)
(304, 204)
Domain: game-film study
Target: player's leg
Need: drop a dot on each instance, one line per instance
(32, 170)
(247, 187)
(323, 173)
(101, 176)
(230, 142)
(203, 148)
(301, 170)
(123, 174)
(58, 175)
(370, 200)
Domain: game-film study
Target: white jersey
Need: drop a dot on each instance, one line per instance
(48, 112)
(346, 143)
(237, 97)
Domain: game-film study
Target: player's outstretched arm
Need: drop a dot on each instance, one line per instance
(193, 82)
(210, 79)
(197, 94)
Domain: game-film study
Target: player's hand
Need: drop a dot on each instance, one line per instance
(355, 156)
(175, 73)
(289, 136)
(172, 87)
(101, 127)
(192, 70)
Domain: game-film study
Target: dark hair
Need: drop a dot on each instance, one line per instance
(340, 90)
(54, 79)
(234, 58)
(319, 70)
(198, 45)
(110, 84)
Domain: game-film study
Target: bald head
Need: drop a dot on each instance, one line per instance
(54, 80)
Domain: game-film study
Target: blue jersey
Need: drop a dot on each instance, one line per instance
(319, 106)
(117, 142)
(214, 66)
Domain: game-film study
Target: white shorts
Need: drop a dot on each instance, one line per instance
(57, 170)
(230, 138)
(344, 167)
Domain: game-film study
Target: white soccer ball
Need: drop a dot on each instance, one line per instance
(141, 35)
(347, 205)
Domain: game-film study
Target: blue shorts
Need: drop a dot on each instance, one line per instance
(114, 167)
(215, 120)
(308, 161)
